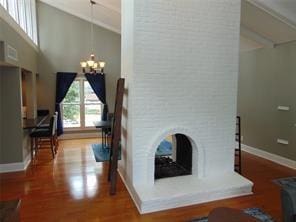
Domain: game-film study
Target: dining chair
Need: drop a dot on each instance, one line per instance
(46, 126)
(41, 134)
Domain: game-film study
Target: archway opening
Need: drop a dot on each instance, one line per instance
(173, 157)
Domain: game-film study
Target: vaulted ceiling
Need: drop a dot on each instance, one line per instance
(264, 23)
(107, 13)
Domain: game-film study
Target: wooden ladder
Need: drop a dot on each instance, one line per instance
(115, 136)
(238, 152)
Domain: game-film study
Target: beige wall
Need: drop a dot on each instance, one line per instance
(267, 80)
(27, 55)
(12, 146)
(64, 42)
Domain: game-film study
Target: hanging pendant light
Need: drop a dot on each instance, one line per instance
(91, 65)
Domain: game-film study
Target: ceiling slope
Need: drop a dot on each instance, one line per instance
(106, 12)
(264, 23)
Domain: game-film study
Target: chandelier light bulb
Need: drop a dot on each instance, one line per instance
(90, 63)
(102, 64)
(83, 64)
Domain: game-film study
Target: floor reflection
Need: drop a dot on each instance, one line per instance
(83, 186)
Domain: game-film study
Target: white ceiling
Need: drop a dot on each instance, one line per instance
(273, 20)
(284, 9)
(276, 27)
(107, 13)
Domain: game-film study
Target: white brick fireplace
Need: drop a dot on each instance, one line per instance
(180, 60)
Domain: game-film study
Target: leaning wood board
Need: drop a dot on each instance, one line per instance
(115, 138)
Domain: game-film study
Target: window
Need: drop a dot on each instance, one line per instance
(3, 3)
(81, 107)
(24, 14)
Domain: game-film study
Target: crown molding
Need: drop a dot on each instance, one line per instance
(109, 7)
(250, 34)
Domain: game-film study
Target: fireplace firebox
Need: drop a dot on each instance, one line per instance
(178, 162)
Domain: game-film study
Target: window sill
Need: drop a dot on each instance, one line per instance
(80, 135)
(80, 130)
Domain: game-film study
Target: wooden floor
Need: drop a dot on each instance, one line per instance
(73, 187)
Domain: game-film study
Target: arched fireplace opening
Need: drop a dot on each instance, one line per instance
(173, 157)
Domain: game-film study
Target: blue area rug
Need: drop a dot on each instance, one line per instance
(255, 212)
(102, 153)
(164, 148)
(286, 182)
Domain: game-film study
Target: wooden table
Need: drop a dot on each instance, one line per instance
(9, 210)
(225, 214)
(104, 126)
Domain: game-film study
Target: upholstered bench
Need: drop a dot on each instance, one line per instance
(288, 196)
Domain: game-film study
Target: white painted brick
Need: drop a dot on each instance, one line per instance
(180, 61)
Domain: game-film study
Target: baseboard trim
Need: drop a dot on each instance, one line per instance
(69, 136)
(15, 167)
(130, 189)
(270, 156)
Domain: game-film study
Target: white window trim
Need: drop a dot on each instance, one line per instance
(12, 23)
(82, 127)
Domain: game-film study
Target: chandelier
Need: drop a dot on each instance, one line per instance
(91, 65)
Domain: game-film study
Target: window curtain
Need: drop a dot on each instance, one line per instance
(97, 83)
(63, 83)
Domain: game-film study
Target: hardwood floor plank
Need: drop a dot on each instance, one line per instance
(74, 187)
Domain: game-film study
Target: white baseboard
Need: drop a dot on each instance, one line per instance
(130, 189)
(15, 167)
(69, 136)
(270, 156)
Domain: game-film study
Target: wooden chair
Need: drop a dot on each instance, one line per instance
(46, 126)
(106, 132)
(44, 133)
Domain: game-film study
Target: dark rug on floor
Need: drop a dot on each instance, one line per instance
(286, 182)
(102, 153)
(255, 212)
